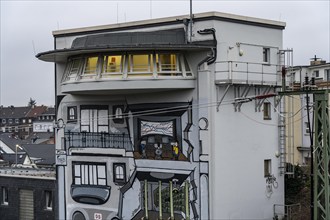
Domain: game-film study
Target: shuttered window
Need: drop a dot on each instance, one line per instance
(26, 203)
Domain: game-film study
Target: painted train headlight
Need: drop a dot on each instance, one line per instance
(78, 216)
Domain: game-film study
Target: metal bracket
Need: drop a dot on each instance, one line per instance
(223, 96)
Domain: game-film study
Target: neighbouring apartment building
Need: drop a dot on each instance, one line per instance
(27, 194)
(169, 118)
(23, 121)
(319, 71)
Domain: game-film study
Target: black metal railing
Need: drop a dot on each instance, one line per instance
(97, 140)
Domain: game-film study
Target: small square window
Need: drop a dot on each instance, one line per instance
(316, 73)
(267, 111)
(267, 167)
(72, 113)
(119, 173)
(4, 196)
(10, 121)
(23, 121)
(30, 120)
(266, 54)
(3, 121)
(118, 111)
(16, 120)
(49, 200)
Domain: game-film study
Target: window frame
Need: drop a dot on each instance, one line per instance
(267, 111)
(4, 196)
(48, 199)
(84, 123)
(327, 74)
(10, 120)
(116, 119)
(267, 167)
(266, 55)
(89, 171)
(74, 116)
(3, 121)
(116, 178)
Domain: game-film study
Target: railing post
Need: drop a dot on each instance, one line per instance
(123, 140)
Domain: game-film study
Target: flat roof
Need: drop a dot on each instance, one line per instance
(176, 19)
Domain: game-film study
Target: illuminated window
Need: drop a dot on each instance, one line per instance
(112, 64)
(167, 62)
(119, 172)
(267, 111)
(140, 63)
(90, 66)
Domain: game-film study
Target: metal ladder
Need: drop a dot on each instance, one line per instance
(286, 121)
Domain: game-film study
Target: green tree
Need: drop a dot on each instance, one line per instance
(32, 102)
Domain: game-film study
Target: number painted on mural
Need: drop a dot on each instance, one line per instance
(97, 216)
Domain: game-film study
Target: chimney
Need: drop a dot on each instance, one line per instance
(317, 61)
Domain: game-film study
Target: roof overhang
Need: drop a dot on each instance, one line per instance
(63, 54)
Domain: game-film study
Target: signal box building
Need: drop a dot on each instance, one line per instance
(169, 118)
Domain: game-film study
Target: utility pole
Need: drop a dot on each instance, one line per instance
(320, 149)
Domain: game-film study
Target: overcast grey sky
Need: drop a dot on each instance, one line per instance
(26, 28)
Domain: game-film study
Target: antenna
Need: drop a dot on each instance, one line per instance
(117, 13)
(34, 49)
(150, 8)
(191, 21)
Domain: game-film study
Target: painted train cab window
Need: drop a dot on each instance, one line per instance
(89, 183)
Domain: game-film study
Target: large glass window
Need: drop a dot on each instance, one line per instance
(91, 66)
(89, 174)
(127, 65)
(112, 64)
(140, 63)
(73, 69)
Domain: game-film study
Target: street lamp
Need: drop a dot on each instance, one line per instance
(17, 146)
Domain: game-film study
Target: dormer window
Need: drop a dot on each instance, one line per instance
(3, 121)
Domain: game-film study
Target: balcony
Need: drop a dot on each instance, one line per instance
(235, 72)
(97, 140)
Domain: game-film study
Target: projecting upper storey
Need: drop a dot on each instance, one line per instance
(165, 53)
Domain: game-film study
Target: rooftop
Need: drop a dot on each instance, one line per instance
(176, 19)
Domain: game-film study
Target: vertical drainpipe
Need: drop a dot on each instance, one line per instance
(146, 198)
(160, 199)
(171, 200)
(187, 199)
